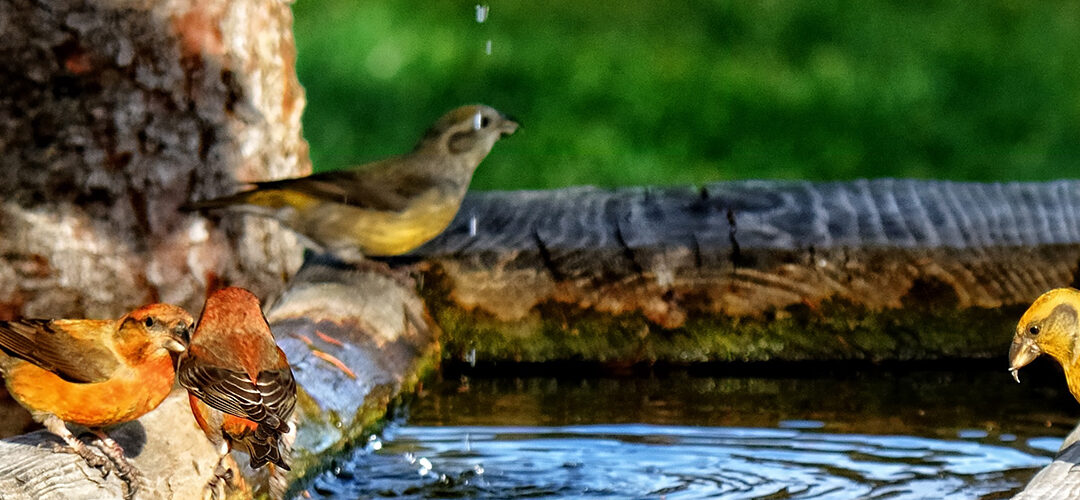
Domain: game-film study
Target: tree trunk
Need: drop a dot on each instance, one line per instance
(115, 113)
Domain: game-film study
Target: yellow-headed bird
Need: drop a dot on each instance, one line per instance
(1050, 326)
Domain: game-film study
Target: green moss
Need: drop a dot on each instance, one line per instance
(833, 331)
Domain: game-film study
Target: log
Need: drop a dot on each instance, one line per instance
(113, 113)
(358, 341)
(749, 270)
(170, 451)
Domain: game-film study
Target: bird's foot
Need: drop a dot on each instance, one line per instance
(128, 472)
(72, 444)
(223, 476)
(92, 458)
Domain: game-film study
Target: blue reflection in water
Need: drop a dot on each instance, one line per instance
(666, 461)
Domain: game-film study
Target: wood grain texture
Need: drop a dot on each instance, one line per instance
(754, 249)
(175, 458)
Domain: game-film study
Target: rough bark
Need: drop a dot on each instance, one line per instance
(750, 270)
(115, 113)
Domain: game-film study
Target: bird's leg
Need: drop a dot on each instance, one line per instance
(115, 452)
(278, 481)
(223, 474)
(57, 426)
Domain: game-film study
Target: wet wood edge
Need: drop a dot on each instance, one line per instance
(841, 258)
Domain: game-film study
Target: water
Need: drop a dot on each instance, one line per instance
(801, 431)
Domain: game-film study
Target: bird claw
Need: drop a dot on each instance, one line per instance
(222, 478)
(93, 459)
(127, 472)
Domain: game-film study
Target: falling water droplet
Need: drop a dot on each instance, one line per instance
(471, 358)
(487, 47)
(473, 223)
(481, 13)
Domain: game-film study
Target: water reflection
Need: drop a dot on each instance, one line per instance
(848, 434)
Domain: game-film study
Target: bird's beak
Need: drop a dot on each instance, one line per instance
(179, 340)
(508, 126)
(173, 346)
(1022, 352)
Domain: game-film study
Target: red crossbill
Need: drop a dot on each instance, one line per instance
(240, 385)
(388, 207)
(94, 373)
(1050, 326)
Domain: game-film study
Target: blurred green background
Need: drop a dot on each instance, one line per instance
(641, 92)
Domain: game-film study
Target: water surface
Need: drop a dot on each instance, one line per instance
(796, 431)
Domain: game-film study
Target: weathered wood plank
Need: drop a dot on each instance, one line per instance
(644, 273)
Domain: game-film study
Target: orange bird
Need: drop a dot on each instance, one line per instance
(240, 385)
(94, 373)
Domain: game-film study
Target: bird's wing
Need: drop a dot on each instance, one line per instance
(278, 388)
(71, 349)
(370, 189)
(233, 392)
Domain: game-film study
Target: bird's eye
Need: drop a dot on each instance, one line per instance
(1034, 330)
(484, 122)
(149, 322)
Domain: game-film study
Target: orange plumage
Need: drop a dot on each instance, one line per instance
(240, 385)
(94, 373)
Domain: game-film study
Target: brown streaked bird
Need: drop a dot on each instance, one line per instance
(240, 385)
(1050, 326)
(388, 207)
(94, 373)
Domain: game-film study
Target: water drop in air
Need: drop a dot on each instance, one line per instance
(481, 13)
(473, 223)
(487, 47)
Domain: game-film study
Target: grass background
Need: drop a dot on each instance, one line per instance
(638, 92)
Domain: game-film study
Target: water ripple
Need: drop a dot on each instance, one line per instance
(672, 462)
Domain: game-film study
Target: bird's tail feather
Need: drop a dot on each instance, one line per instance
(264, 447)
